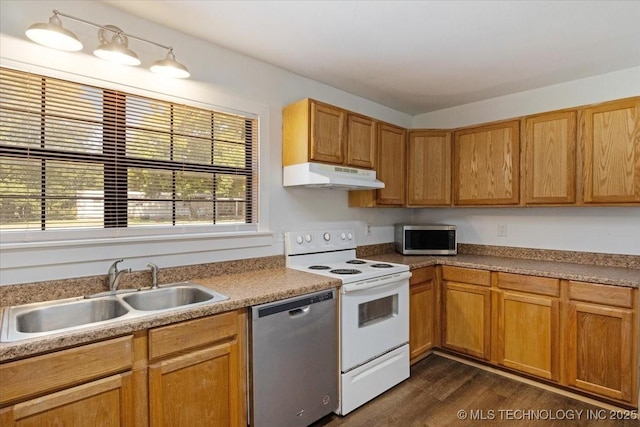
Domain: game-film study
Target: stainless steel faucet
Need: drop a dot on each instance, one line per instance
(115, 275)
(154, 275)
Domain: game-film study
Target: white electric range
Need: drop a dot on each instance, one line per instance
(374, 312)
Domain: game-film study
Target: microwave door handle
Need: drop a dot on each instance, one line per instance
(376, 283)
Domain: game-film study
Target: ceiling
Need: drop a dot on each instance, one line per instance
(417, 56)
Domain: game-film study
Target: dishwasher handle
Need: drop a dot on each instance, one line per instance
(299, 312)
(295, 307)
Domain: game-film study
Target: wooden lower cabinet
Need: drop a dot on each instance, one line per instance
(106, 402)
(184, 374)
(466, 315)
(579, 335)
(86, 385)
(527, 329)
(602, 341)
(199, 374)
(422, 312)
(528, 334)
(200, 388)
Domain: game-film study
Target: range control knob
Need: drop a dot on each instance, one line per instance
(308, 238)
(349, 236)
(299, 240)
(343, 236)
(326, 237)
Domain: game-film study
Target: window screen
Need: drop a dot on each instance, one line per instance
(79, 156)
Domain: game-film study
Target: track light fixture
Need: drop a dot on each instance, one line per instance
(114, 44)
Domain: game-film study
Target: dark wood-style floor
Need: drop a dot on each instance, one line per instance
(439, 388)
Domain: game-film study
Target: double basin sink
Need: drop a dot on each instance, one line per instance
(47, 318)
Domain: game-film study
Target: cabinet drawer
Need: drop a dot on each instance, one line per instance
(466, 275)
(420, 275)
(529, 284)
(183, 336)
(43, 374)
(601, 294)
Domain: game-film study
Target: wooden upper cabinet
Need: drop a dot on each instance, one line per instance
(486, 164)
(327, 127)
(429, 168)
(361, 141)
(611, 143)
(313, 131)
(391, 162)
(550, 158)
(318, 132)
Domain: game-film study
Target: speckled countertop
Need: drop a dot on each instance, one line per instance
(243, 290)
(261, 280)
(616, 276)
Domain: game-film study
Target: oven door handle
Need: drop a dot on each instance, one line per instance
(375, 283)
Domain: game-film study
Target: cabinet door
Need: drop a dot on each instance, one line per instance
(361, 141)
(528, 334)
(197, 389)
(421, 312)
(550, 165)
(64, 369)
(611, 140)
(391, 155)
(467, 319)
(486, 165)
(107, 402)
(600, 350)
(327, 133)
(429, 168)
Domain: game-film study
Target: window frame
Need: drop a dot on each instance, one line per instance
(116, 215)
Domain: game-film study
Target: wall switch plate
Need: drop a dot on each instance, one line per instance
(367, 229)
(502, 230)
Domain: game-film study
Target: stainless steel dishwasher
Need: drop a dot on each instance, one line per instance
(294, 360)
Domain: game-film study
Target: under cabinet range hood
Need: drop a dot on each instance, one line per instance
(319, 175)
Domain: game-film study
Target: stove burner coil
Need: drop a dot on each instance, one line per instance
(381, 265)
(356, 261)
(345, 271)
(319, 267)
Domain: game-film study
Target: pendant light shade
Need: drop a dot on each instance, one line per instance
(114, 47)
(169, 67)
(113, 44)
(53, 35)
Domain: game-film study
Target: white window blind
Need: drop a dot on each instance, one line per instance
(79, 156)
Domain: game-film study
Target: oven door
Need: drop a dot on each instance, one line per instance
(374, 318)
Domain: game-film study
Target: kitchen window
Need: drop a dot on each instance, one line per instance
(75, 156)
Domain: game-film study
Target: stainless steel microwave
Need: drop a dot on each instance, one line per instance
(427, 239)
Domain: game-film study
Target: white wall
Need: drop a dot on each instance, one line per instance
(221, 78)
(591, 90)
(607, 230)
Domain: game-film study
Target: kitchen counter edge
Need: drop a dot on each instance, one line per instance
(613, 276)
(262, 286)
(243, 290)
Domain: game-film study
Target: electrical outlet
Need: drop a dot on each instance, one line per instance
(367, 229)
(502, 230)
